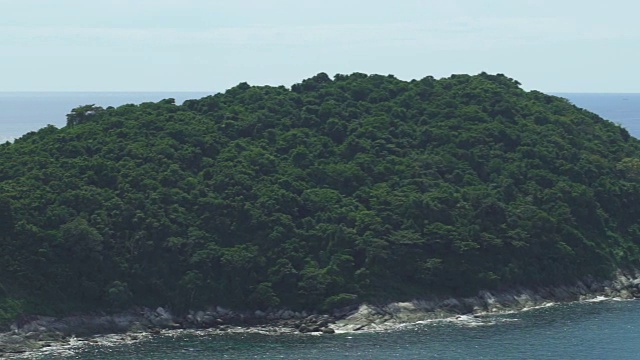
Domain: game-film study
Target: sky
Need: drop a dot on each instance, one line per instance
(209, 45)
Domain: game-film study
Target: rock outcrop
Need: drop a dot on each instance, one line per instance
(626, 285)
(35, 332)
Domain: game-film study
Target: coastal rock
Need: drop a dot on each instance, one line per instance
(525, 299)
(137, 327)
(199, 317)
(304, 329)
(124, 322)
(208, 320)
(365, 317)
(626, 294)
(161, 318)
(34, 332)
(15, 344)
(222, 311)
(327, 330)
(286, 315)
(582, 288)
(39, 324)
(622, 281)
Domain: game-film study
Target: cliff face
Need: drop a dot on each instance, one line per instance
(331, 193)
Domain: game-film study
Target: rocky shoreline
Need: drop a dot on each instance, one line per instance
(33, 333)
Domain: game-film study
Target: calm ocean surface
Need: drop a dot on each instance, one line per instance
(21, 112)
(593, 330)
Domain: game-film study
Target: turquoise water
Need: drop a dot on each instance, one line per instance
(598, 330)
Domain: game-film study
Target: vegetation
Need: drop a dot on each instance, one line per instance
(335, 191)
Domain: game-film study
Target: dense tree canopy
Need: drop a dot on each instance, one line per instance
(334, 191)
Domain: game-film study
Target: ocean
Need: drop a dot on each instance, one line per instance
(21, 112)
(607, 329)
(621, 108)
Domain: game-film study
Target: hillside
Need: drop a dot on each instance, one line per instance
(334, 191)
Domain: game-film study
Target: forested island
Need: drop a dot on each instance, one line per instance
(332, 192)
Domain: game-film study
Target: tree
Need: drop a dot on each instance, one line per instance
(82, 114)
(6, 218)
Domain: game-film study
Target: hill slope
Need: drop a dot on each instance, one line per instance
(334, 191)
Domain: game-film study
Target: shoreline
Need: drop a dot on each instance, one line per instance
(36, 334)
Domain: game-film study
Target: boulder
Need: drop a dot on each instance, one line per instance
(286, 315)
(199, 317)
(303, 328)
(327, 330)
(161, 318)
(222, 311)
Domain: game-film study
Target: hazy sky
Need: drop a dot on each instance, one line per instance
(205, 45)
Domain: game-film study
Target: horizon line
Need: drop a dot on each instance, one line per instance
(215, 92)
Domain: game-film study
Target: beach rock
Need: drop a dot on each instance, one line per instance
(304, 329)
(33, 332)
(37, 324)
(327, 330)
(343, 312)
(365, 315)
(222, 311)
(625, 294)
(53, 336)
(271, 315)
(455, 306)
(286, 315)
(622, 281)
(162, 312)
(137, 327)
(15, 344)
(585, 288)
(208, 320)
(199, 317)
(162, 318)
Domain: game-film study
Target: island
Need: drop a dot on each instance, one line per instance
(325, 195)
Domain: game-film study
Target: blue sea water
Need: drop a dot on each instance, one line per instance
(596, 330)
(21, 112)
(621, 108)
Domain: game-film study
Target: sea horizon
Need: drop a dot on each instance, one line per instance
(22, 112)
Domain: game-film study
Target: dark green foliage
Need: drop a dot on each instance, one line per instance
(361, 187)
(9, 310)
